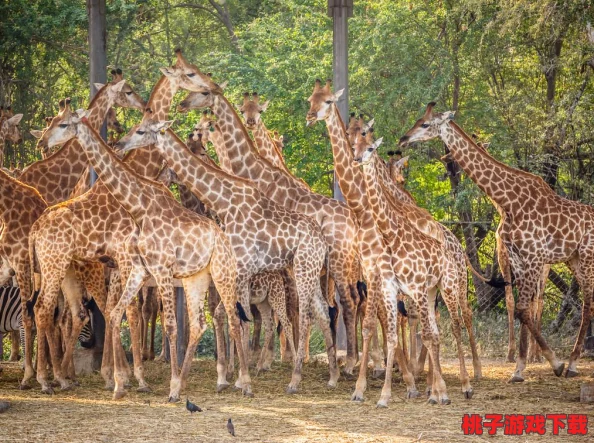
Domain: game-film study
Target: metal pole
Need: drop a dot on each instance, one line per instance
(97, 55)
(97, 74)
(340, 11)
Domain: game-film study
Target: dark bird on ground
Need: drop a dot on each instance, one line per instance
(192, 407)
(230, 428)
(5, 406)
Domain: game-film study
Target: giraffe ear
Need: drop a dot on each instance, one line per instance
(486, 145)
(224, 85)
(98, 86)
(370, 123)
(167, 72)
(162, 126)
(264, 106)
(376, 144)
(403, 162)
(15, 119)
(118, 86)
(36, 133)
(338, 94)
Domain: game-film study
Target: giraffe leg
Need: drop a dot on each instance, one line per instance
(528, 278)
(133, 314)
(349, 310)
(375, 351)
(369, 324)
(584, 272)
(254, 346)
(136, 278)
(279, 306)
(24, 283)
(153, 318)
(505, 268)
(390, 293)
(143, 320)
(268, 321)
(413, 322)
(430, 336)
(107, 362)
(195, 288)
(14, 346)
(320, 311)
(219, 324)
(467, 318)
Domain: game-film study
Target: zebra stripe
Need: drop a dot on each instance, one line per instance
(11, 317)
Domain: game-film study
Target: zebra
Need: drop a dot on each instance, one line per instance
(11, 317)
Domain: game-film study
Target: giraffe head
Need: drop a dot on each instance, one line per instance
(252, 109)
(278, 140)
(202, 129)
(321, 101)
(9, 125)
(187, 76)
(143, 134)
(64, 126)
(427, 127)
(200, 98)
(365, 148)
(125, 97)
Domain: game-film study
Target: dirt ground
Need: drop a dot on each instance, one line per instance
(316, 414)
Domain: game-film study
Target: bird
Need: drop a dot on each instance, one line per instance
(230, 428)
(192, 407)
(4, 406)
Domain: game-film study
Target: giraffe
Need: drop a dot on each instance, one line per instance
(93, 237)
(169, 242)
(56, 178)
(452, 247)
(240, 157)
(450, 271)
(376, 258)
(422, 267)
(265, 236)
(9, 130)
(537, 228)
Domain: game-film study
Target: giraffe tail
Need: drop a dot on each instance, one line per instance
(496, 282)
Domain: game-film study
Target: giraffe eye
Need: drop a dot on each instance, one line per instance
(129, 93)
(328, 102)
(63, 125)
(205, 93)
(191, 74)
(369, 149)
(140, 132)
(425, 125)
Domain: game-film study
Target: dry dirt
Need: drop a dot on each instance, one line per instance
(316, 414)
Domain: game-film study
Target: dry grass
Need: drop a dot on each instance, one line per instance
(316, 414)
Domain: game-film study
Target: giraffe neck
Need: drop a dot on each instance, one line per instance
(392, 188)
(350, 178)
(217, 189)
(99, 107)
(499, 181)
(378, 204)
(130, 190)
(147, 161)
(240, 150)
(266, 146)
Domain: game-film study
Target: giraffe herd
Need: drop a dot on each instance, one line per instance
(248, 232)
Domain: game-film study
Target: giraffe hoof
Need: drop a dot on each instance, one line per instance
(24, 387)
(144, 389)
(49, 390)
(571, 373)
(221, 387)
(348, 375)
(117, 395)
(76, 383)
(109, 387)
(357, 398)
(378, 373)
(68, 387)
(291, 390)
(413, 394)
(468, 394)
(446, 401)
(381, 404)
(432, 401)
(173, 399)
(55, 384)
(248, 394)
(559, 370)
